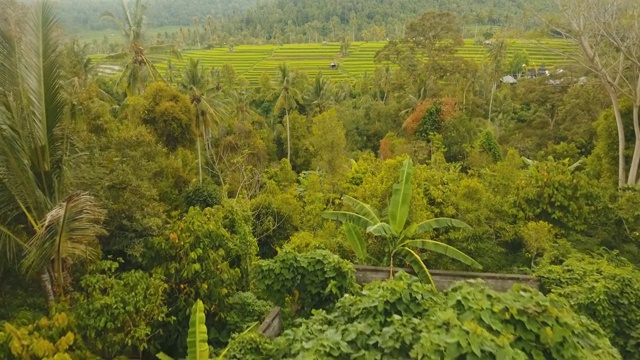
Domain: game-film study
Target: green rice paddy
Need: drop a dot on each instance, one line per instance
(250, 61)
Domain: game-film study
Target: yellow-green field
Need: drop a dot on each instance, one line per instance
(250, 61)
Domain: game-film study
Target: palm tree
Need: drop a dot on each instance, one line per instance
(209, 110)
(139, 67)
(402, 239)
(241, 105)
(38, 220)
(288, 97)
(320, 95)
(496, 55)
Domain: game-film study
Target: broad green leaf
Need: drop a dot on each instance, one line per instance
(355, 240)
(380, 229)
(436, 223)
(197, 346)
(346, 216)
(163, 356)
(226, 350)
(444, 249)
(417, 264)
(401, 197)
(363, 209)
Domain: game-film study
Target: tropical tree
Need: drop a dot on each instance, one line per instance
(608, 36)
(39, 220)
(139, 68)
(496, 56)
(320, 95)
(241, 105)
(288, 97)
(402, 239)
(209, 110)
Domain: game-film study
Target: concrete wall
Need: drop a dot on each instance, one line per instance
(444, 279)
(272, 324)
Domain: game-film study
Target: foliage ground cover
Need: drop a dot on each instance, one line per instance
(405, 319)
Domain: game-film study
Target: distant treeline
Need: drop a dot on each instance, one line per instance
(85, 14)
(307, 20)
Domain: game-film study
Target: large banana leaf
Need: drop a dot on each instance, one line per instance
(362, 208)
(197, 346)
(413, 259)
(444, 249)
(401, 197)
(381, 229)
(436, 223)
(355, 240)
(346, 216)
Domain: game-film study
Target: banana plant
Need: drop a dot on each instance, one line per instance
(403, 239)
(197, 346)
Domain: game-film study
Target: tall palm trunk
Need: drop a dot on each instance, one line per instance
(199, 161)
(286, 112)
(45, 280)
(493, 90)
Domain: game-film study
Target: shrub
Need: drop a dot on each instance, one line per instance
(48, 338)
(315, 280)
(275, 219)
(168, 114)
(206, 255)
(606, 289)
(405, 319)
(202, 195)
(245, 310)
(119, 312)
(249, 346)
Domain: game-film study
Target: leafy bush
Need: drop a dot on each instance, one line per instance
(206, 255)
(251, 345)
(275, 219)
(168, 114)
(246, 309)
(405, 319)
(48, 338)
(315, 280)
(119, 312)
(605, 289)
(202, 195)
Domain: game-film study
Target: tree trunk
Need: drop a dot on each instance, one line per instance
(286, 112)
(45, 279)
(493, 90)
(633, 170)
(199, 160)
(622, 178)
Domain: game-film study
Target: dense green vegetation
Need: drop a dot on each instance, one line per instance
(165, 207)
(467, 321)
(282, 21)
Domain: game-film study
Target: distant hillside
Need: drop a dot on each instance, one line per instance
(85, 14)
(296, 21)
(287, 21)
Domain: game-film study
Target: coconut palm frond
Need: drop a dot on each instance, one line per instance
(9, 55)
(67, 233)
(41, 71)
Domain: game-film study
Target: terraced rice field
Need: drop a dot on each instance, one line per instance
(250, 61)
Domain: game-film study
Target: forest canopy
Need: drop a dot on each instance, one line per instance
(157, 204)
